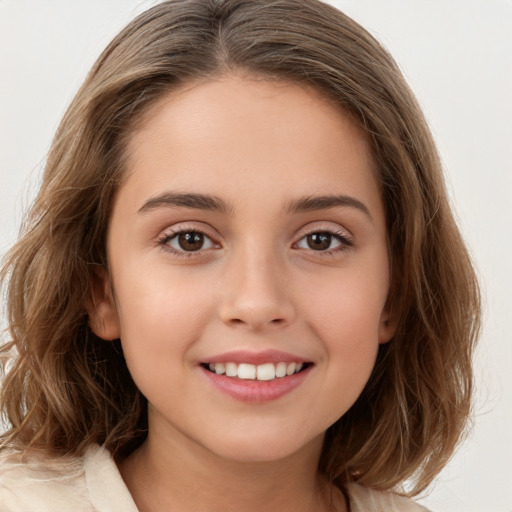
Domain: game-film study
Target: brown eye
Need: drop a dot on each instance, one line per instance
(324, 241)
(319, 241)
(190, 241)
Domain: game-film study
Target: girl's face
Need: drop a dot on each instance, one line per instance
(248, 238)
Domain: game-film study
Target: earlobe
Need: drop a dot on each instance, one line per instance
(103, 317)
(387, 326)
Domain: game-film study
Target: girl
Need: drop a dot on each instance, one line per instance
(241, 286)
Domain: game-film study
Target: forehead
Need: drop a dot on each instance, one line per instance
(243, 135)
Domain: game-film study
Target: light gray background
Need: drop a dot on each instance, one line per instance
(456, 54)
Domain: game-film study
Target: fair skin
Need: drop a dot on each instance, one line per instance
(249, 231)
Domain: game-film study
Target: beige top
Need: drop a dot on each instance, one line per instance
(94, 484)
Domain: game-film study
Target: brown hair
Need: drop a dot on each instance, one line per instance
(65, 388)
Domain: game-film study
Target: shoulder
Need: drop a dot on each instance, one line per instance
(363, 499)
(91, 483)
(41, 483)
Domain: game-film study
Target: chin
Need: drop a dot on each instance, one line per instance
(265, 449)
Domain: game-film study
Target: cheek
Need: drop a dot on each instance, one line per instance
(161, 315)
(345, 314)
(349, 305)
(160, 320)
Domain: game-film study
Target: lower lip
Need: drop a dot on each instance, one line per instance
(255, 391)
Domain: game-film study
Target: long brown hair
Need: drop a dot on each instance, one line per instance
(64, 388)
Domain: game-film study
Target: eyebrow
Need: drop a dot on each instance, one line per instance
(195, 201)
(312, 203)
(216, 204)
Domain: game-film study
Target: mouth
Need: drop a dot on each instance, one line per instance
(256, 377)
(261, 372)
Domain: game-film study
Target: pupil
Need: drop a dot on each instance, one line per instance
(319, 241)
(191, 241)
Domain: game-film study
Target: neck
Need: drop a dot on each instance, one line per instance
(184, 477)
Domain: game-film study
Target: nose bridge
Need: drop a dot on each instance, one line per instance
(255, 291)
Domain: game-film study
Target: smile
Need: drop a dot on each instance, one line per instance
(261, 372)
(256, 377)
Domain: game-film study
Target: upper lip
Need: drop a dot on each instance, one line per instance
(256, 358)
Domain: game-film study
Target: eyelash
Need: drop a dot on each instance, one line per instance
(345, 242)
(341, 236)
(164, 240)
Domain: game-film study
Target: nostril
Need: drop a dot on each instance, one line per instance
(239, 321)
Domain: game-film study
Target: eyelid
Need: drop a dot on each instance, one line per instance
(186, 227)
(325, 227)
(343, 235)
(340, 233)
(176, 237)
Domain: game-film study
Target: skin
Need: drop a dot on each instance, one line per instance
(255, 284)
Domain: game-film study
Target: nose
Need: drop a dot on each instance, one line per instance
(256, 294)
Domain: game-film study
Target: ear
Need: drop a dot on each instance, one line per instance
(388, 324)
(103, 317)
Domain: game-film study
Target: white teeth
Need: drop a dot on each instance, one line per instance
(246, 371)
(266, 371)
(220, 369)
(280, 369)
(290, 369)
(231, 369)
